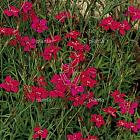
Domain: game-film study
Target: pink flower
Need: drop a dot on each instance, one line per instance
(50, 51)
(36, 93)
(12, 11)
(128, 107)
(62, 16)
(75, 136)
(40, 133)
(112, 111)
(124, 26)
(10, 85)
(72, 34)
(76, 89)
(54, 39)
(28, 43)
(117, 96)
(97, 119)
(27, 6)
(138, 123)
(133, 12)
(39, 25)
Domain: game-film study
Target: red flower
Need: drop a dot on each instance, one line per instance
(37, 93)
(40, 133)
(124, 26)
(13, 42)
(27, 6)
(39, 25)
(97, 119)
(87, 81)
(132, 126)
(76, 45)
(78, 57)
(134, 13)
(128, 125)
(41, 81)
(89, 72)
(72, 34)
(107, 23)
(54, 39)
(78, 100)
(28, 43)
(12, 11)
(121, 123)
(49, 52)
(8, 31)
(117, 96)
(56, 93)
(75, 136)
(62, 16)
(10, 85)
(112, 111)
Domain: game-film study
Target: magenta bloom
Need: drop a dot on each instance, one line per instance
(138, 123)
(40, 133)
(110, 110)
(39, 25)
(50, 51)
(128, 107)
(62, 16)
(28, 43)
(36, 93)
(27, 6)
(10, 85)
(54, 39)
(72, 34)
(76, 45)
(133, 12)
(118, 97)
(97, 119)
(11, 11)
(121, 123)
(75, 136)
(124, 26)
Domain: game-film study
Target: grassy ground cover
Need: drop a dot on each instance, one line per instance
(69, 70)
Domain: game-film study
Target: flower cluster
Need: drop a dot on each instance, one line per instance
(109, 23)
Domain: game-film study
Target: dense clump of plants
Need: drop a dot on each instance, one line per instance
(69, 76)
